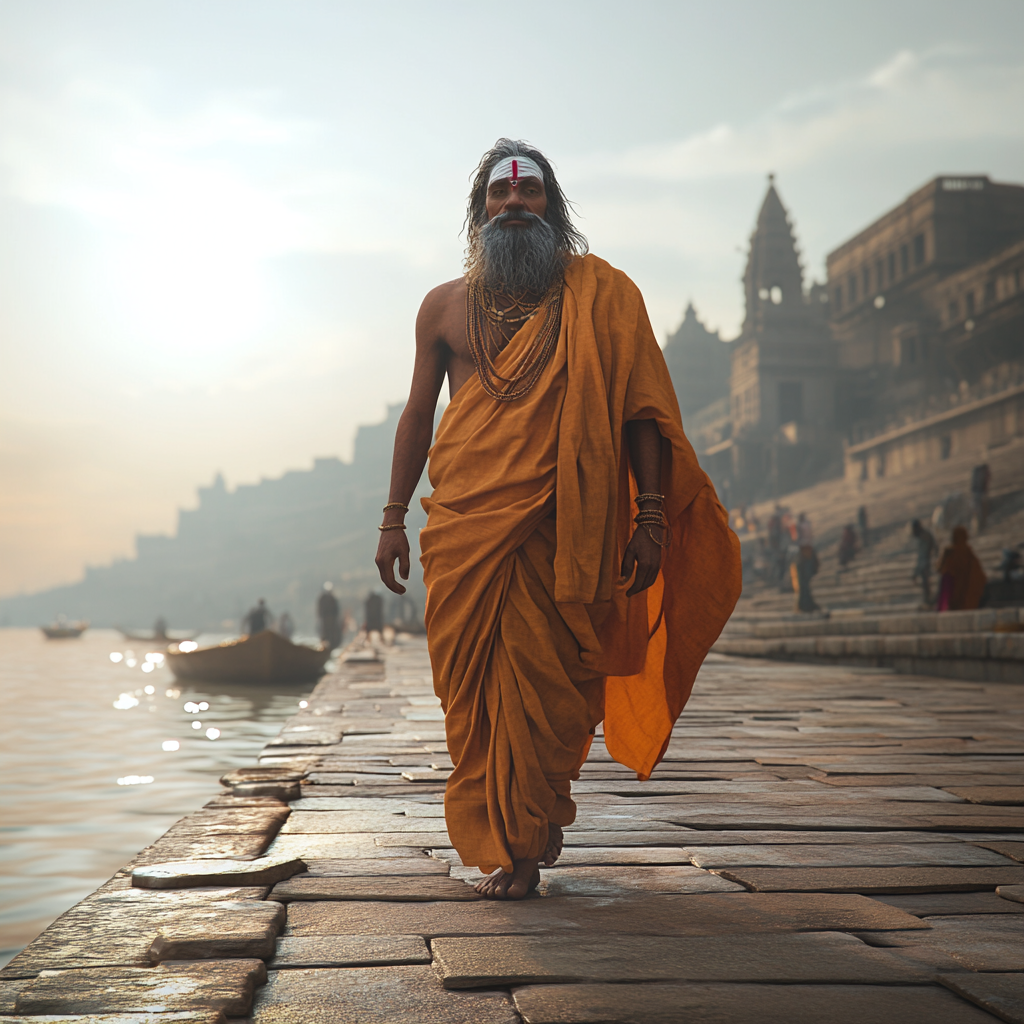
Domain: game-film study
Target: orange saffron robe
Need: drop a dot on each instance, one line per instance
(532, 640)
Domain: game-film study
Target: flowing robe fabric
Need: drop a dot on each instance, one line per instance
(967, 577)
(532, 639)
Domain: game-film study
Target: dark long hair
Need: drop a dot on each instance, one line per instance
(570, 241)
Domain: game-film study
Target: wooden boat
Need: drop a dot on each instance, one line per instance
(61, 630)
(163, 639)
(266, 657)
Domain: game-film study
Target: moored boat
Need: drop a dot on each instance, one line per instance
(64, 630)
(265, 657)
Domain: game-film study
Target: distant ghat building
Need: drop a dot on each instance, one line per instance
(912, 351)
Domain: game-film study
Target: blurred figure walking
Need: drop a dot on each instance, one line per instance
(847, 545)
(981, 478)
(258, 618)
(862, 523)
(802, 570)
(328, 620)
(926, 550)
(961, 577)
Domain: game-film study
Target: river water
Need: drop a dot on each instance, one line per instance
(98, 758)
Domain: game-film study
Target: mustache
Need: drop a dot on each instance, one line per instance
(499, 220)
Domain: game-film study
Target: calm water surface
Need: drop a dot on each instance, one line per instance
(73, 724)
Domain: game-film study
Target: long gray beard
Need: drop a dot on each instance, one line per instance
(518, 259)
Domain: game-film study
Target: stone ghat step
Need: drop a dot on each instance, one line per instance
(986, 620)
(982, 657)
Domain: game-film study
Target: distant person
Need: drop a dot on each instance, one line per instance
(328, 618)
(862, 524)
(926, 551)
(286, 626)
(160, 628)
(981, 477)
(961, 577)
(802, 570)
(258, 618)
(804, 531)
(374, 612)
(847, 545)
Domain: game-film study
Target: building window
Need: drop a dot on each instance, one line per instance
(969, 300)
(990, 293)
(791, 402)
(851, 288)
(945, 446)
(954, 311)
(837, 297)
(879, 275)
(918, 250)
(904, 260)
(865, 282)
(891, 267)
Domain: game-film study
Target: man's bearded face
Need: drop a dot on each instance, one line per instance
(519, 257)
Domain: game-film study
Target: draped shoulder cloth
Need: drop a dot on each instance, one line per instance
(532, 640)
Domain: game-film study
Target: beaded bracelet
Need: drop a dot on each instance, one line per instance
(392, 526)
(396, 504)
(649, 497)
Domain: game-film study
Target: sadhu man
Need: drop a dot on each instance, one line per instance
(577, 561)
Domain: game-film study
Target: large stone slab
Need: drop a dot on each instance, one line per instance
(391, 888)
(710, 914)
(349, 951)
(742, 1004)
(328, 822)
(115, 927)
(945, 904)
(193, 873)
(485, 961)
(1004, 795)
(202, 846)
(377, 866)
(604, 880)
(1001, 994)
(847, 855)
(874, 879)
(243, 930)
(575, 856)
(341, 846)
(1014, 893)
(225, 985)
(374, 995)
(984, 943)
(1007, 849)
(185, 1017)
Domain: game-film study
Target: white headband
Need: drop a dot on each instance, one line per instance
(515, 167)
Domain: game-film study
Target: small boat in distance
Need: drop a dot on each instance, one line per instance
(264, 657)
(61, 629)
(153, 637)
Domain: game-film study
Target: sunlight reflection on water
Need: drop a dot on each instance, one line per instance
(99, 759)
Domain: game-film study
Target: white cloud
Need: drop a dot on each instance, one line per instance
(940, 95)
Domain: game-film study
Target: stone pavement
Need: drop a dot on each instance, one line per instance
(821, 844)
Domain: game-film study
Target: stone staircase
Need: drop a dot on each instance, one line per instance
(869, 608)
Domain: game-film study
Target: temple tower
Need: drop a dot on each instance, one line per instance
(782, 379)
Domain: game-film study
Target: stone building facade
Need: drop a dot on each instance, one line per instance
(913, 349)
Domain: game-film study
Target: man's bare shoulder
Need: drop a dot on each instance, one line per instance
(440, 301)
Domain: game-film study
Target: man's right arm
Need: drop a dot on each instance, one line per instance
(414, 433)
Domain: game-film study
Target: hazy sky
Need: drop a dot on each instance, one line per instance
(217, 217)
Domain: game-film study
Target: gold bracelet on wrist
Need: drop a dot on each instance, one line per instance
(391, 526)
(396, 504)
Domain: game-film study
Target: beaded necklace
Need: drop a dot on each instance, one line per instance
(484, 321)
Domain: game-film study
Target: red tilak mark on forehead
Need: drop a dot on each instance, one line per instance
(515, 169)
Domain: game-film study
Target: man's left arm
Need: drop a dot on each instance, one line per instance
(644, 551)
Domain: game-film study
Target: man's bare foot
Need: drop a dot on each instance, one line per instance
(525, 877)
(554, 848)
